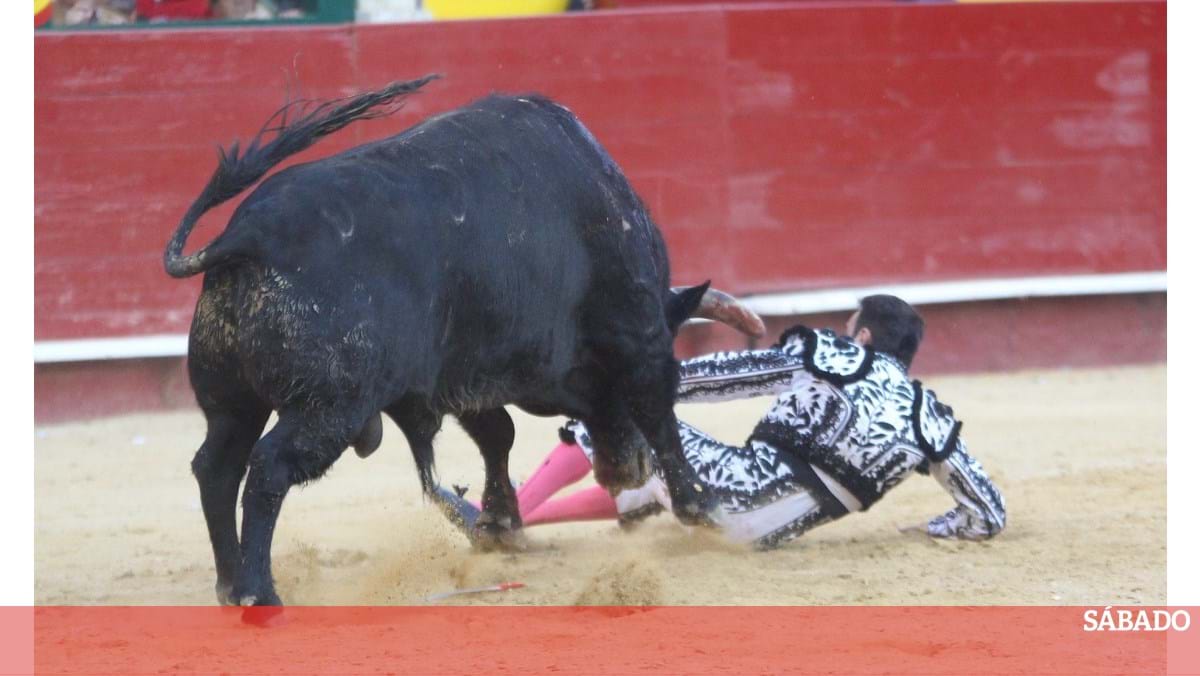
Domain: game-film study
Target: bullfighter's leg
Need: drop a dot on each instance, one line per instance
(300, 448)
(218, 467)
(499, 524)
(650, 397)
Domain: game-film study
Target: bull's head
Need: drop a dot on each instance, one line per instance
(701, 301)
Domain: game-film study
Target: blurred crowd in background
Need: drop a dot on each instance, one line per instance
(109, 12)
(75, 13)
(123, 12)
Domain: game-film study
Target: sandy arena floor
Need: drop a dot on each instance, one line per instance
(1079, 455)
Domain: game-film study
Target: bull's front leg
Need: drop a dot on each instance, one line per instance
(621, 458)
(650, 398)
(692, 501)
(499, 523)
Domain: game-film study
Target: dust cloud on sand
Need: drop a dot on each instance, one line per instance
(1079, 455)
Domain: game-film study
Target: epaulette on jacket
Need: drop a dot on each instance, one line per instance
(933, 424)
(833, 358)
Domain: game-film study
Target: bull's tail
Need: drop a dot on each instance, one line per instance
(238, 171)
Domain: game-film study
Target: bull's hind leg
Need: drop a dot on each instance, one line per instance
(499, 525)
(300, 448)
(419, 424)
(219, 466)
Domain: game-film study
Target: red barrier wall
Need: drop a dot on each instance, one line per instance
(779, 146)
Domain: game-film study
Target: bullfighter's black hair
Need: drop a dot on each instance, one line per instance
(896, 327)
(237, 170)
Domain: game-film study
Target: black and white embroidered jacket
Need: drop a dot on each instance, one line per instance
(857, 418)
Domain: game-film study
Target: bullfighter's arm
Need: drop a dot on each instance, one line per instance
(980, 513)
(724, 376)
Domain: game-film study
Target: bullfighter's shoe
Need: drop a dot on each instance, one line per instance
(460, 512)
(628, 521)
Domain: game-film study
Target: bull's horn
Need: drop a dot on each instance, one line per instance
(722, 307)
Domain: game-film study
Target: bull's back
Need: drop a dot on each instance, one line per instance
(471, 240)
(514, 175)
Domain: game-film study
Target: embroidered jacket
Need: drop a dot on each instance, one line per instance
(855, 415)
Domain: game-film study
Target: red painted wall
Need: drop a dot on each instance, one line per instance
(779, 146)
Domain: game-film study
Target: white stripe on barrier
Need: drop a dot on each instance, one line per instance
(932, 293)
(775, 304)
(96, 349)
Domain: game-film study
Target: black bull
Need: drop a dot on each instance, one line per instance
(491, 255)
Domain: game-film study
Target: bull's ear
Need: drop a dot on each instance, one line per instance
(683, 303)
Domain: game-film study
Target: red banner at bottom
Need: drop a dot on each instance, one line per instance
(601, 640)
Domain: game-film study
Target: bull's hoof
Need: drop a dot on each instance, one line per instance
(369, 437)
(265, 599)
(485, 540)
(252, 595)
(707, 519)
(697, 506)
(629, 521)
(225, 594)
(492, 533)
